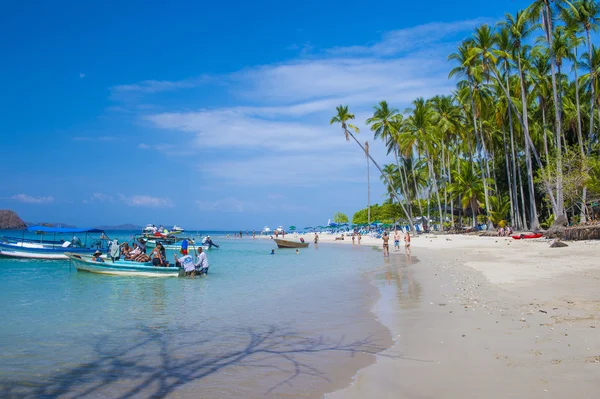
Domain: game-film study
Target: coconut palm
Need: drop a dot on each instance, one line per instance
(342, 117)
(468, 187)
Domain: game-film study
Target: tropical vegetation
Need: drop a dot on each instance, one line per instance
(516, 142)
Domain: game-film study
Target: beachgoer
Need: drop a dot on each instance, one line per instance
(201, 262)
(253, 233)
(272, 252)
(184, 247)
(134, 252)
(76, 242)
(353, 237)
(407, 242)
(96, 257)
(302, 239)
(142, 245)
(396, 240)
(125, 249)
(386, 245)
(156, 255)
(316, 239)
(210, 242)
(359, 237)
(187, 262)
(115, 250)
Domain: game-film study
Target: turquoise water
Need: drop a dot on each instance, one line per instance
(258, 325)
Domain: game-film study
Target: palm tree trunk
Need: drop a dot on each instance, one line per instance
(368, 191)
(591, 134)
(513, 156)
(435, 187)
(560, 207)
(583, 215)
(508, 178)
(533, 219)
(387, 181)
(523, 208)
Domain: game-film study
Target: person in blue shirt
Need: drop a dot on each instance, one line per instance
(96, 257)
(184, 247)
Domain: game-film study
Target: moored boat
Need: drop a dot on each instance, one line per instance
(121, 267)
(290, 244)
(28, 248)
(527, 236)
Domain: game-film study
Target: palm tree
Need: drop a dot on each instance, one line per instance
(518, 28)
(342, 117)
(586, 14)
(468, 187)
(368, 183)
(541, 10)
(384, 124)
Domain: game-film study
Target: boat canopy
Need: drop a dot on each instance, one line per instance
(47, 229)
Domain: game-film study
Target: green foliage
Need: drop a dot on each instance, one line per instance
(501, 210)
(548, 222)
(339, 218)
(386, 213)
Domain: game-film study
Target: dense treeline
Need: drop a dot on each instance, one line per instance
(517, 141)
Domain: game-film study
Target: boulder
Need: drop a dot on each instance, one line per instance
(558, 244)
(557, 230)
(9, 220)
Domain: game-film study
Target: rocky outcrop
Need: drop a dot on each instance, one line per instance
(9, 220)
(582, 233)
(557, 230)
(558, 244)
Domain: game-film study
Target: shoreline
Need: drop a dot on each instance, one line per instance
(487, 317)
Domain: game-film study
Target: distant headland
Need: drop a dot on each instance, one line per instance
(9, 220)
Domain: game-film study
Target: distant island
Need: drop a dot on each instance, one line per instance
(9, 220)
(126, 226)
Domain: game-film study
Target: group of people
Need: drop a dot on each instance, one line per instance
(192, 267)
(505, 231)
(397, 237)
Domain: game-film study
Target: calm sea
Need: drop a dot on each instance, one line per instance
(259, 325)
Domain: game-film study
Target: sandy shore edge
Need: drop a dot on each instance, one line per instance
(485, 317)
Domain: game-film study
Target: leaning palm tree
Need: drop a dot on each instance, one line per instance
(342, 117)
(384, 125)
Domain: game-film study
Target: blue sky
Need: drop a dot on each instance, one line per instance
(209, 115)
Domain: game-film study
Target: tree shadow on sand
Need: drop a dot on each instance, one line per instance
(160, 363)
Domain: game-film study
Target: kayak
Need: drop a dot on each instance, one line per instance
(526, 236)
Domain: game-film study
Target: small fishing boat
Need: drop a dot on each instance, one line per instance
(527, 236)
(42, 248)
(121, 267)
(177, 246)
(177, 229)
(290, 244)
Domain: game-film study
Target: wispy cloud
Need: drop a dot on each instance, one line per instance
(146, 201)
(28, 199)
(100, 197)
(281, 135)
(408, 39)
(82, 75)
(158, 86)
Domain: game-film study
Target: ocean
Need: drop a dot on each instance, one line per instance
(259, 325)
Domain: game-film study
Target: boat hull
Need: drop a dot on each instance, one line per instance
(527, 236)
(290, 244)
(37, 252)
(122, 268)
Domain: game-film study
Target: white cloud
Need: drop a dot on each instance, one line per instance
(412, 38)
(100, 197)
(146, 201)
(281, 135)
(28, 199)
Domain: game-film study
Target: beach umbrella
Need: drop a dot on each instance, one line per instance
(307, 228)
(292, 228)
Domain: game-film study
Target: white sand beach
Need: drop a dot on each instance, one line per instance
(485, 317)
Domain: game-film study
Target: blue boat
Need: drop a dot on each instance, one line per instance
(30, 248)
(122, 267)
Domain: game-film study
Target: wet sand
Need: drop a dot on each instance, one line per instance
(481, 317)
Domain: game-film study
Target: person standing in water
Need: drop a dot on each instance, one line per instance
(407, 242)
(396, 240)
(386, 244)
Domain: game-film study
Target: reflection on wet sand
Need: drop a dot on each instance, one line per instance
(399, 270)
